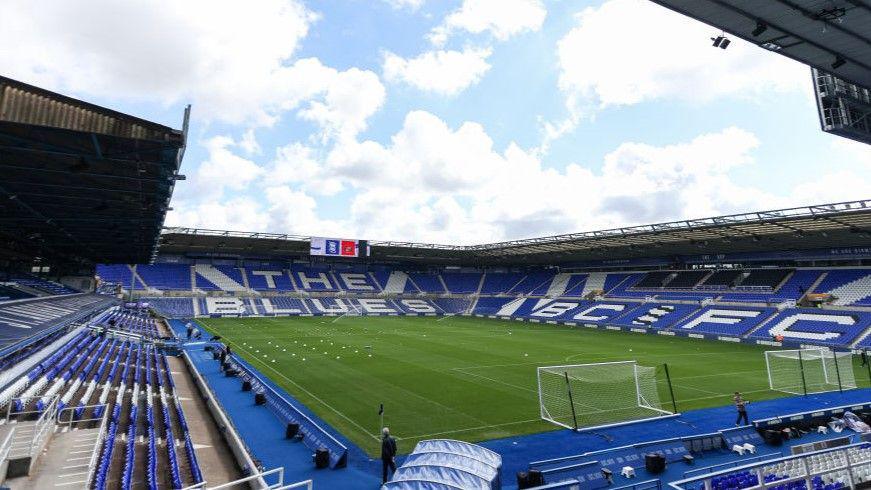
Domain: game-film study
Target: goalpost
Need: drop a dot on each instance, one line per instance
(584, 396)
(353, 310)
(809, 370)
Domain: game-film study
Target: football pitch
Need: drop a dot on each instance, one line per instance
(468, 378)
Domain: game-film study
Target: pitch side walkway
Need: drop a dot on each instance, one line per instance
(517, 452)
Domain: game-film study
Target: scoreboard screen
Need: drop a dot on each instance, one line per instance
(338, 247)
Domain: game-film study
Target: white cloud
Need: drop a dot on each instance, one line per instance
(297, 164)
(444, 72)
(629, 51)
(249, 143)
(222, 170)
(436, 183)
(501, 18)
(239, 213)
(294, 211)
(350, 98)
(409, 4)
(232, 60)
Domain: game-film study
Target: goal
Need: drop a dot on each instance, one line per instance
(584, 396)
(811, 370)
(353, 310)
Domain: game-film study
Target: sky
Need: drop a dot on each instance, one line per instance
(455, 122)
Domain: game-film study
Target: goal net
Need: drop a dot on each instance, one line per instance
(584, 396)
(353, 310)
(813, 370)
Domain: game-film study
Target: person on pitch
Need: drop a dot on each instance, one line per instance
(741, 406)
(388, 454)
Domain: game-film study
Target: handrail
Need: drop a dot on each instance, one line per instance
(43, 422)
(653, 481)
(257, 476)
(92, 463)
(758, 466)
(712, 468)
(6, 447)
(72, 421)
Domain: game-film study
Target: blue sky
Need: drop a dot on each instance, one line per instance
(461, 121)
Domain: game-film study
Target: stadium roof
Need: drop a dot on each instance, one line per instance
(815, 32)
(846, 224)
(81, 182)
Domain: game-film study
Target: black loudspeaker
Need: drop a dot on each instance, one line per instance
(259, 398)
(523, 480)
(536, 479)
(230, 372)
(291, 431)
(322, 458)
(246, 386)
(773, 437)
(655, 463)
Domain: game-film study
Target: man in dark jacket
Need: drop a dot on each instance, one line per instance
(388, 454)
(741, 406)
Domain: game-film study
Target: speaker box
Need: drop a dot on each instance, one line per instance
(246, 386)
(536, 479)
(259, 398)
(291, 431)
(523, 480)
(322, 458)
(773, 437)
(655, 463)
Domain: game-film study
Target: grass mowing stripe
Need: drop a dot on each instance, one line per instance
(325, 404)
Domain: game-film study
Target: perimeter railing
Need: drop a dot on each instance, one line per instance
(258, 477)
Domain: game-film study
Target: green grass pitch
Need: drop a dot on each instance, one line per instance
(466, 378)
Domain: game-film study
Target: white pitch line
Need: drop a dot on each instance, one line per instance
(340, 414)
(460, 370)
(421, 436)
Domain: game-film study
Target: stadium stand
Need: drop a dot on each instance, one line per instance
(721, 279)
(172, 307)
(427, 283)
(462, 282)
(817, 326)
(500, 282)
(165, 277)
(848, 286)
(827, 327)
(726, 320)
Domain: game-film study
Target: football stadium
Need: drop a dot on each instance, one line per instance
(724, 351)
